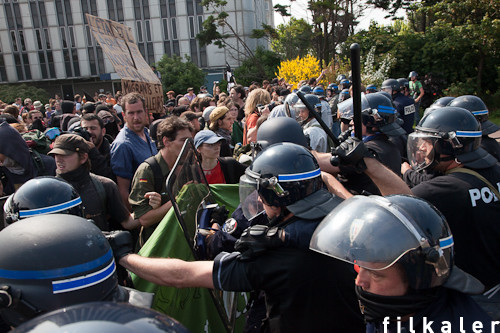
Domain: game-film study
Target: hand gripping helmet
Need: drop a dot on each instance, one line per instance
(103, 317)
(445, 134)
(390, 85)
(281, 129)
(42, 195)
(357, 231)
(282, 174)
(477, 107)
(377, 111)
(403, 83)
(318, 91)
(439, 103)
(290, 101)
(52, 261)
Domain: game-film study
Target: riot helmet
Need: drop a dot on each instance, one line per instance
(377, 111)
(340, 77)
(345, 83)
(412, 74)
(318, 91)
(371, 88)
(356, 231)
(403, 83)
(390, 85)
(344, 95)
(290, 101)
(439, 103)
(477, 107)
(333, 87)
(281, 129)
(52, 261)
(305, 89)
(43, 195)
(448, 133)
(103, 317)
(313, 100)
(282, 174)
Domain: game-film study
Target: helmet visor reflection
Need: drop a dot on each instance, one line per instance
(249, 197)
(420, 150)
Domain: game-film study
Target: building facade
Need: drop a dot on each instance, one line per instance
(48, 42)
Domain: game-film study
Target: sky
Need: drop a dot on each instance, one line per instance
(299, 10)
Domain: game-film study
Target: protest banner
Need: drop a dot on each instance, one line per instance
(118, 45)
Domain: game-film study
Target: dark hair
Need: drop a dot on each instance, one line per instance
(169, 127)
(67, 106)
(188, 115)
(205, 102)
(93, 116)
(12, 110)
(132, 98)
(240, 90)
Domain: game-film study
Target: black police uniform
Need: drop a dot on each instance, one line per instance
(305, 291)
(385, 152)
(472, 211)
(491, 146)
(406, 108)
(449, 306)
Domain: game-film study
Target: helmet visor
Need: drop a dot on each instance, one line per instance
(249, 197)
(357, 230)
(420, 150)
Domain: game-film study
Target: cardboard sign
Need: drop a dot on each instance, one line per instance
(118, 44)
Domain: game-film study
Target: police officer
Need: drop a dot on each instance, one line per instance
(326, 111)
(407, 284)
(477, 107)
(305, 292)
(447, 140)
(318, 139)
(405, 105)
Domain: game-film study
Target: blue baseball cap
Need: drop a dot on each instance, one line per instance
(206, 136)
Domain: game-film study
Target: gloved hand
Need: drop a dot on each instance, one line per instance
(351, 153)
(344, 136)
(121, 243)
(219, 215)
(257, 239)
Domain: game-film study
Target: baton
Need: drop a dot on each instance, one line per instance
(356, 89)
(318, 118)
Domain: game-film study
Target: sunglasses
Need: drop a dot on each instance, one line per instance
(345, 121)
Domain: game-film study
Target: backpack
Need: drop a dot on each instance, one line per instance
(37, 141)
(101, 192)
(155, 167)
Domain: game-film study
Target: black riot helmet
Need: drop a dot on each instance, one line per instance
(282, 174)
(390, 85)
(421, 242)
(341, 77)
(305, 89)
(103, 317)
(345, 83)
(439, 103)
(313, 100)
(477, 107)
(403, 83)
(52, 261)
(445, 134)
(333, 87)
(43, 195)
(378, 111)
(371, 88)
(280, 129)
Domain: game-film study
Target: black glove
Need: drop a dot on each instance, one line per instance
(121, 243)
(344, 136)
(350, 153)
(219, 215)
(258, 239)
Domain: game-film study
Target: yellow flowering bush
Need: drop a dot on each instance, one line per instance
(298, 69)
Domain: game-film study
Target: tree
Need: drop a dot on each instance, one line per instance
(258, 68)
(293, 39)
(9, 93)
(178, 75)
(298, 69)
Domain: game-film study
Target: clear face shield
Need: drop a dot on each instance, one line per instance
(374, 240)
(420, 150)
(250, 202)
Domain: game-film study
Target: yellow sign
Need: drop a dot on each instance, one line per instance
(118, 44)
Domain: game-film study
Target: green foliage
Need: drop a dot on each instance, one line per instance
(293, 39)
(9, 93)
(258, 68)
(178, 75)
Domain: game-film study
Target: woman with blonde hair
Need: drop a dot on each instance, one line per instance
(257, 97)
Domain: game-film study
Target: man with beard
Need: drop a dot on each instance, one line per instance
(94, 125)
(132, 145)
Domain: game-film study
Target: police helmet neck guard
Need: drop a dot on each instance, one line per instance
(421, 242)
(378, 112)
(479, 109)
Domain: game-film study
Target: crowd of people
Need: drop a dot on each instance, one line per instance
(394, 227)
